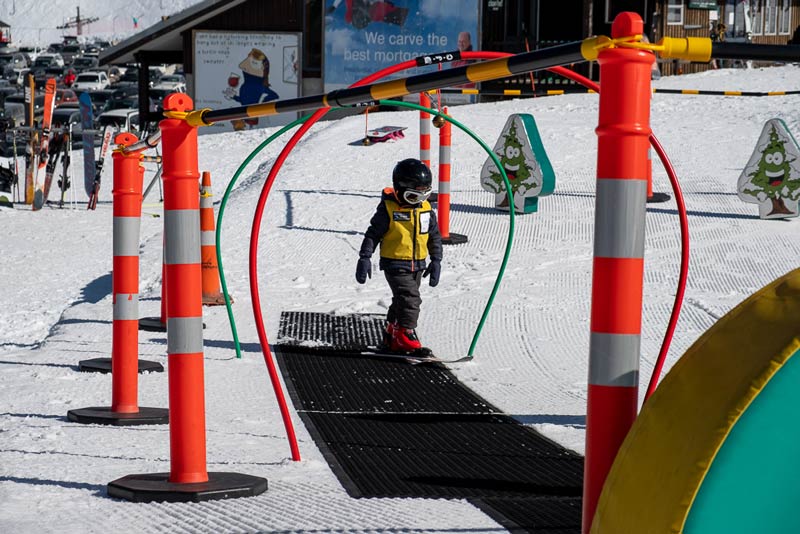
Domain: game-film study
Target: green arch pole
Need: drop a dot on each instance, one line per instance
(509, 241)
(223, 203)
(297, 122)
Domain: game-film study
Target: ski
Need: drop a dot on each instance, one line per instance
(30, 151)
(420, 356)
(63, 183)
(42, 188)
(87, 123)
(54, 151)
(107, 134)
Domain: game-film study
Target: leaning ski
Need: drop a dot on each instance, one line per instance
(87, 123)
(63, 183)
(107, 134)
(42, 188)
(52, 159)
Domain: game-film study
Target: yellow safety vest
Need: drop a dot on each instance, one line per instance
(407, 237)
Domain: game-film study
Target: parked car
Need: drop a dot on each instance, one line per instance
(48, 60)
(13, 60)
(171, 80)
(15, 108)
(83, 63)
(65, 96)
(91, 81)
(115, 73)
(70, 52)
(124, 120)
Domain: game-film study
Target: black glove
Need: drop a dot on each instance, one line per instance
(434, 269)
(363, 270)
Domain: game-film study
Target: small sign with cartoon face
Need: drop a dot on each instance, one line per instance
(771, 177)
(525, 163)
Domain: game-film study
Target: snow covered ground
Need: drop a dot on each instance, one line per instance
(531, 359)
(36, 23)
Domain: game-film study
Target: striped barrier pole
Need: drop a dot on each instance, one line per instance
(618, 267)
(443, 198)
(212, 294)
(124, 363)
(188, 479)
(425, 130)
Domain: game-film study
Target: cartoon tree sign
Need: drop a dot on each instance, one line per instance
(771, 177)
(525, 162)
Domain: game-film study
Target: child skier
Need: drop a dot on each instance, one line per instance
(405, 226)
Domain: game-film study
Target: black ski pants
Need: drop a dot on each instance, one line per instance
(406, 299)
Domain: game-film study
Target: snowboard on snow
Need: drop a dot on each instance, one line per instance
(384, 133)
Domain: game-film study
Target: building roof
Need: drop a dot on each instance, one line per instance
(4, 25)
(165, 36)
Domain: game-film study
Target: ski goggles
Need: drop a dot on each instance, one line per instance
(416, 196)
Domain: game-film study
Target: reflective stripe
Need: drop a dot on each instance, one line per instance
(444, 187)
(208, 238)
(184, 335)
(425, 154)
(126, 236)
(614, 359)
(620, 218)
(182, 229)
(126, 307)
(444, 153)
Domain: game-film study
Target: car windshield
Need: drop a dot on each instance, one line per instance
(42, 62)
(83, 61)
(87, 78)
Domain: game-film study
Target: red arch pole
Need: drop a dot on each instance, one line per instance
(623, 133)
(425, 130)
(188, 479)
(124, 363)
(253, 263)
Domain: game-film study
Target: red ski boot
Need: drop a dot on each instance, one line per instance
(388, 334)
(405, 340)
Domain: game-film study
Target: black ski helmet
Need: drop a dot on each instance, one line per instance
(410, 174)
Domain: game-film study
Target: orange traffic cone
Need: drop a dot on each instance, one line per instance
(212, 296)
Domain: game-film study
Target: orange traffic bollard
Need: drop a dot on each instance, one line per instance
(212, 294)
(124, 363)
(618, 268)
(425, 130)
(443, 196)
(188, 479)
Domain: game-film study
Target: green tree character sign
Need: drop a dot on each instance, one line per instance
(523, 157)
(771, 177)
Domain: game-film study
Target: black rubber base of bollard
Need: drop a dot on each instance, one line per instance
(454, 239)
(152, 324)
(102, 415)
(103, 365)
(658, 198)
(157, 487)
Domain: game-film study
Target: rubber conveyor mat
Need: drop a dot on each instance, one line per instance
(391, 429)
